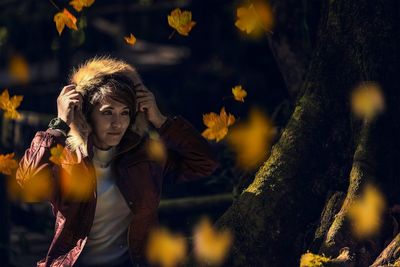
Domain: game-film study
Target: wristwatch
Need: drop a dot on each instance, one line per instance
(59, 124)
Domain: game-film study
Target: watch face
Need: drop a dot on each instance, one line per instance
(54, 122)
(58, 123)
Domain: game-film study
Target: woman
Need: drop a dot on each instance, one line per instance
(102, 123)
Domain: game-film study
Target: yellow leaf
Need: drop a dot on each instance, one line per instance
(156, 148)
(65, 18)
(77, 182)
(165, 249)
(239, 93)
(252, 140)
(79, 4)
(38, 187)
(245, 19)
(8, 164)
(19, 68)
(257, 16)
(365, 213)
(367, 100)
(57, 154)
(217, 124)
(210, 245)
(181, 21)
(35, 188)
(9, 105)
(313, 260)
(131, 39)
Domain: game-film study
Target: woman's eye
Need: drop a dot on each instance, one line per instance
(106, 113)
(125, 113)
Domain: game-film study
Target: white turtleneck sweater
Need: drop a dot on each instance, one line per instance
(107, 240)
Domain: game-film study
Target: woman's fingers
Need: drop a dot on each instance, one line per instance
(67, 88)
(71, 92)
(144, 105)
(74, 96)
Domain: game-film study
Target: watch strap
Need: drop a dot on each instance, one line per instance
(59, 124)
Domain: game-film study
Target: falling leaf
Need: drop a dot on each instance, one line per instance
(365, 213)
(77, 182)
(257, 16)
(8, 164)
(156, 148)
(181, 21)
(313, 260)
(9, 105)
(130, 39)
(252, 140)
(217, 124)
(38, 188)
(65, 18)
(165, 248)
(239, 93)
(79, 4)
(210, 245)
(367, 100)
(19, 68)
(57, 154)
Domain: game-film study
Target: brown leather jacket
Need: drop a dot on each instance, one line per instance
(139, 178)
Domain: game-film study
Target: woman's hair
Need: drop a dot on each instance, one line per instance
(97, 79)
(115, 87)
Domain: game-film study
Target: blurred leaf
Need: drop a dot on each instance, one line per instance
(256, 16)
(181, 21)
(77, 182)
(165, 248)
(79, 4)
(252, 140)
(239, 93)
(8, 163)
(367, 100)
(65, 18)
(210, 245)
(38, 187)
(365, 213)
(18, 68)
(9, 105)
(156, 148)
(217, 124)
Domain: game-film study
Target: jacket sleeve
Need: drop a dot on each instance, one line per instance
(35, 170)
(189, 155)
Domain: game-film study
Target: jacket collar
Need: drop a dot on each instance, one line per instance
(128, 142)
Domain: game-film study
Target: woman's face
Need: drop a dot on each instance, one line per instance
(109, 120)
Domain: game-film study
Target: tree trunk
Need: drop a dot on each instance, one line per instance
(357, 41)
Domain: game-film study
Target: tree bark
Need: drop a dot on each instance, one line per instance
(390, 255)
(357, 41)
(294, 39)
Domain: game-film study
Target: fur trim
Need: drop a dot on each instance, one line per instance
(86, 77)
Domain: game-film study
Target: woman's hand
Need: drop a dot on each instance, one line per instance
(68, 100)
(146, 103)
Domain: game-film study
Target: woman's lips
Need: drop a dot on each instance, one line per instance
(114, 133)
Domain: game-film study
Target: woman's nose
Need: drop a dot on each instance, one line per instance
(116, 122)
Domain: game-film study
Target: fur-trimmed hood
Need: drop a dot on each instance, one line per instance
(87, 77)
